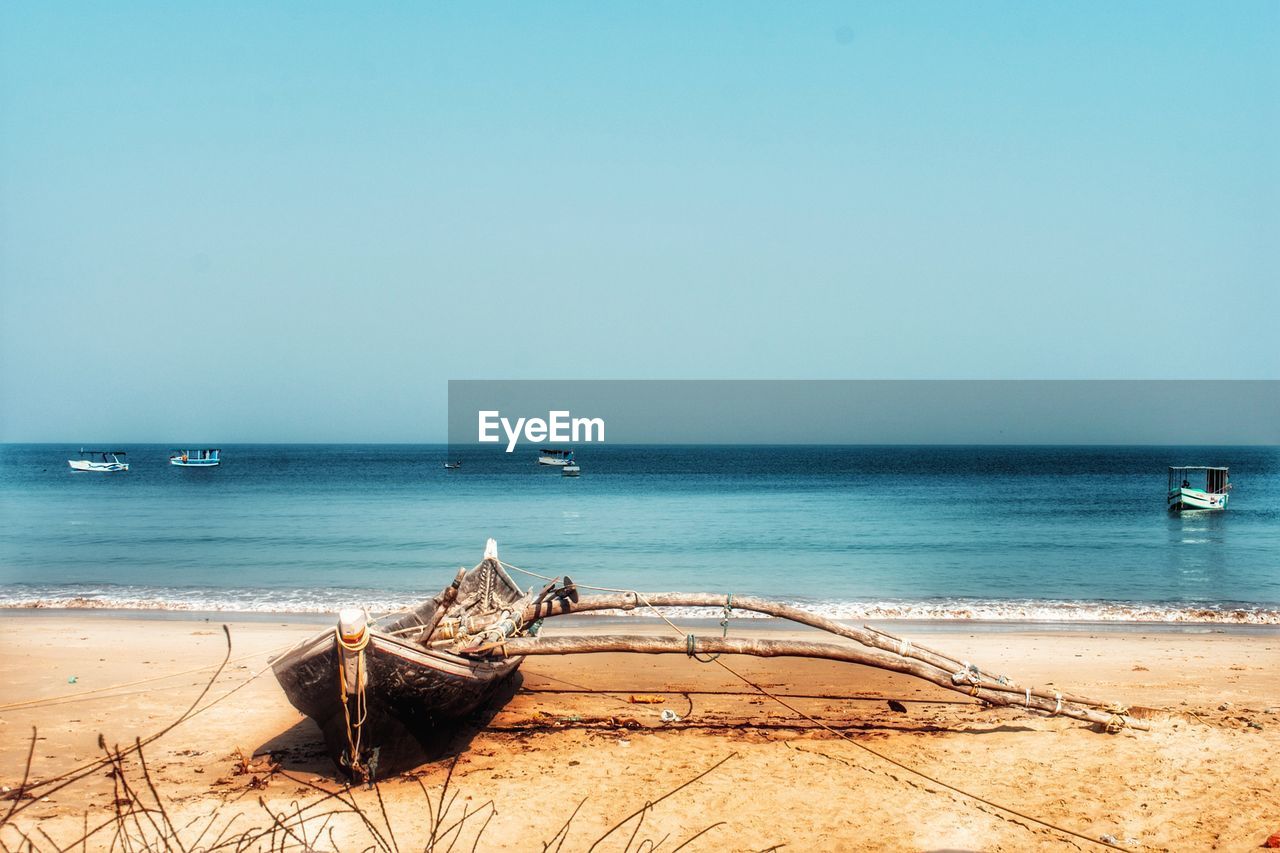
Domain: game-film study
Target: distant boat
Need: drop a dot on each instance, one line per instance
(1185, 491)
(205, 458)
(452, 465)
(558, 458)
(102, 461)
(570, 470)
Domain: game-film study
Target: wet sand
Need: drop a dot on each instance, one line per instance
(571, 739)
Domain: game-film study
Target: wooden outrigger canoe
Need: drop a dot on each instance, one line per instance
(369, 687)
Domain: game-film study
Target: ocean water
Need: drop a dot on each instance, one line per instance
(1016, 533)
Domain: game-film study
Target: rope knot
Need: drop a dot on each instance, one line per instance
(724, 617)
(968, 673)
(1118, 719)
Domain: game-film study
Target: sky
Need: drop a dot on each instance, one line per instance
(296, 222)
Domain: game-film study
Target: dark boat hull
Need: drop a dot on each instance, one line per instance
(413, 694)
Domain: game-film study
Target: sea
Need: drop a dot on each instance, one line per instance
(1015, 534)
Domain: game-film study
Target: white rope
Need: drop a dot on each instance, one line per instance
(527, 572)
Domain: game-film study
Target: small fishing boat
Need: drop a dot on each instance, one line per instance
(452, 465)
(203, 458)
(102, 461)
(570, 470)
(558, 458)
(372, 689)
(375, 690)
(1198, 487)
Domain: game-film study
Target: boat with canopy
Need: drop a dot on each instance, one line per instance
(1194, 487)
(202, 458)
(101, 461)
(558, 458)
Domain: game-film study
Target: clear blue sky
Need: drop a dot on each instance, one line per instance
(238, 222)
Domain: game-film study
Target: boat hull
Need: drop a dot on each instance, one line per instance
(194, 463)
(414, 697)
(1193, 499)
(416, 691)
(99, 467)
(553, 461)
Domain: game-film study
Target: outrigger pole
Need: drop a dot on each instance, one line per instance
(877, 649)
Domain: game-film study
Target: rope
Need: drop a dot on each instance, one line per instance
(357, 646)
(724, 630)
(354, 731)
(896, 763)
(968, 671)
(1118, 720)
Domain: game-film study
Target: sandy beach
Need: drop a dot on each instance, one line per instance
(574, 753)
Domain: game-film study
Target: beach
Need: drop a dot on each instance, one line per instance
(582, 745)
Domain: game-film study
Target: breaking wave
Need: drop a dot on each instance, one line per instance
(320, 601)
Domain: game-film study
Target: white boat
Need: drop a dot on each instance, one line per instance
(452, 465)
(570, 470)
(1198, 487)
(558, 458)
(205, 458)
(102, 461)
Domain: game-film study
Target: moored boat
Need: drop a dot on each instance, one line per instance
(557, 458)
(570, 470)
(201, 458)
(101, 461)
(1193, 487)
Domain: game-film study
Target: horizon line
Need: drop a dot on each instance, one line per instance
(537, 447)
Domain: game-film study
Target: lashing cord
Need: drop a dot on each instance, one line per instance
(690, 640)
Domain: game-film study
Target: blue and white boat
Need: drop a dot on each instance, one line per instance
(1198, 487)
(555, 458)
(201, 458)
(101, 461)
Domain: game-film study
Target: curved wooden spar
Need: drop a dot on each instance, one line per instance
(961, 672)
(521, 646)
